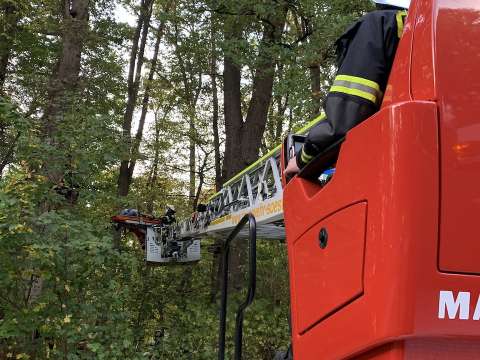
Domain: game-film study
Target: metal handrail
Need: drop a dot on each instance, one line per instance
(252, 256)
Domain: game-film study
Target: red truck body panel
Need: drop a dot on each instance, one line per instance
(457, 77)
(397, 277)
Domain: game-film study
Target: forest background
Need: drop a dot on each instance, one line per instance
(111, 104)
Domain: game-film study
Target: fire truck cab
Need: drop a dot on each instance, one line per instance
(384, 259)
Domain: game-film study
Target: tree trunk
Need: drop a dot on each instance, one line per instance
(145, 102)
(11, 18)
(278, 126)
(152, 181)
(255, 122)
(290, 120)
(216, 136)
(216, 248)
(243, 139)
(201, 180)
(315, 86)
(64, 79)
(134, 76)
(233, 118)
(191, 93)
(61, 90)
(192, 161)
(281, 108)
(6, 158)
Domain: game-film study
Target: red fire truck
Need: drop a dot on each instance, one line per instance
(385, 258)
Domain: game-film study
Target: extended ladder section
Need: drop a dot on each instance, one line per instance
(256, 190)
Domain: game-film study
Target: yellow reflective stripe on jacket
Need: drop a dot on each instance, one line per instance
(359, 80)
(354, 85)
(356, 92)
(401, 15)
(305, 157)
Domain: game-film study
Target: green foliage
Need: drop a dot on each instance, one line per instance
(98, 303)
(12, 125)
(82, 278)
(95, 302)
(191, 323)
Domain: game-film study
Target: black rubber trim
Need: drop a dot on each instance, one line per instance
(322, 161)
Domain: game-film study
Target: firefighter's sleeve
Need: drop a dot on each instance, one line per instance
(357, 90)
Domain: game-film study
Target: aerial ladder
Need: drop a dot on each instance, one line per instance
(384, 257)
(257, 190)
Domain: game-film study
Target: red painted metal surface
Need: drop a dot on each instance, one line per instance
(422, 75)
(401, 230)
(319, 269)
(458, 86)
(415, 165)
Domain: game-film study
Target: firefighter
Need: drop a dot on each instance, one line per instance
(365, 54)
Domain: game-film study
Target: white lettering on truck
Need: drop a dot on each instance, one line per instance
(456, 307)
(451, 305)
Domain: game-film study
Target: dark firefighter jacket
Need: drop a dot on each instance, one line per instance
(365, 54)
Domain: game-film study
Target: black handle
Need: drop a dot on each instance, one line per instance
(252, 255)
(323, 238)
